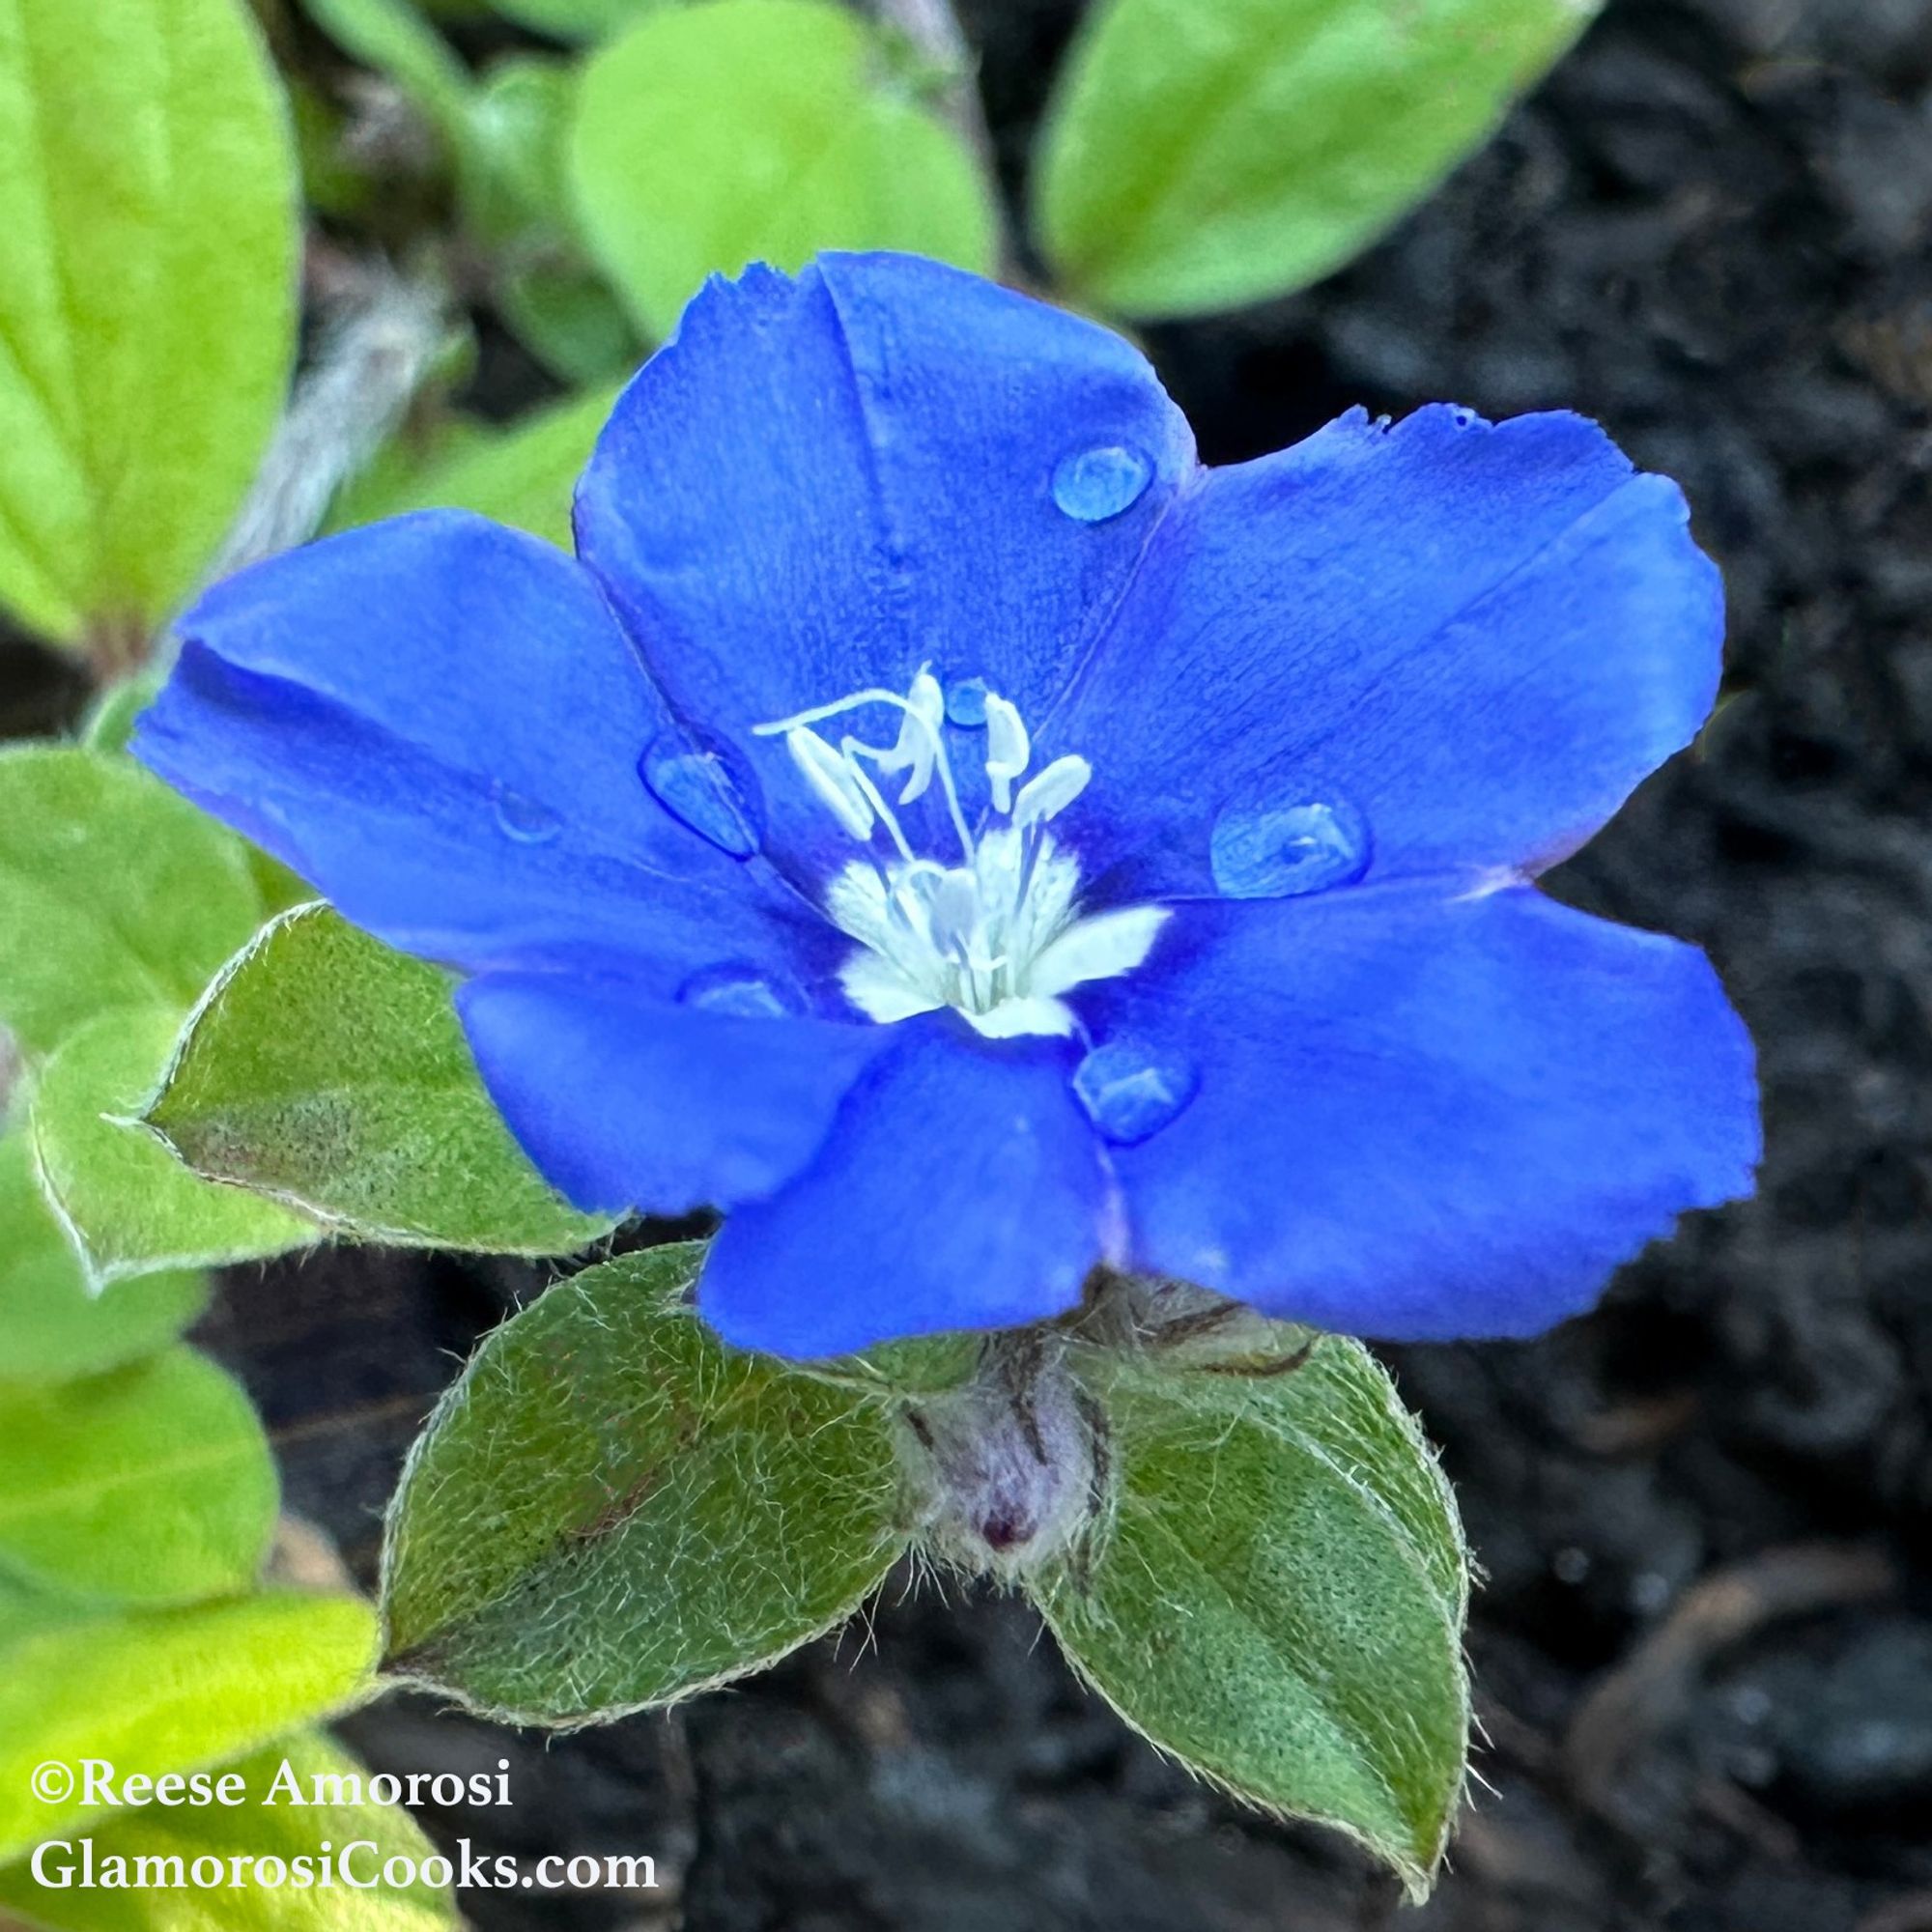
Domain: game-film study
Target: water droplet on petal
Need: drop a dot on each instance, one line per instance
(966, 703)
(1464, 418)
(743, 992)
(692, 786)
(1131, 1090)
(1277, 852)
(526, 820)
(1101, 483)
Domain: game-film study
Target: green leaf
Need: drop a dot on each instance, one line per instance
(282, 1830)
(114, 890)
(331, 1073)
(513, 162)
(1202, 153)
(1277, 1593)
(50, 1326)
(127, 1205)
(523, 476)
(153, 1484)
(163, 1690)
(392, 36)
(564, 313)
(147, 315)
(612, 1509)
(740, 130)
(575, 20)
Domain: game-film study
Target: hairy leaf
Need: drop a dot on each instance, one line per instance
(127, 1205)
(330, 1072)
(1277, 1592)
(612, 1509)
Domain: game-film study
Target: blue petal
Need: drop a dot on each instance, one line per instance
(436, 722)
(822, 485)
(961, 1188)
(623, 1101)
(1476, 640)
(1423, 1118)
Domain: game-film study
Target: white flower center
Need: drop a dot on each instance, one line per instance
(997, 934)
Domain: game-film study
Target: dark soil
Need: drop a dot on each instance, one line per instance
(1705, 1645)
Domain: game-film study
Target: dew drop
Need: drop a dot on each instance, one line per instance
(1464, 418)
(1097, 484)
(694, 788)
(525, 820)
(1131, 1091)
(1276, 852)
(966, 703)
(741, 991)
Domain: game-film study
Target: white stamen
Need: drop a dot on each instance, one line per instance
(834, 779)
(1007, 749)
(1048, 793)
(998, 937)
(917, 748)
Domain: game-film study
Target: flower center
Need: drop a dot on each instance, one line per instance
(996, 932)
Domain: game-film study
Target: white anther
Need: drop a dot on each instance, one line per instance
(1007, 749)
(918, 745)
(1051, 792)
(834, 779)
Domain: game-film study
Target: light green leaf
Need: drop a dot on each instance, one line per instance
(575, 20)
(611, 1510)
(153, 1484)
(163, 1690)
(523, 475)
(1277, 1593)
(1202, 153)
(740, 130)
(147, 315)
(254, 1830)
(50, 1326)
(331, 1073)
(114, 890)
(127, 1205)
(392, 36)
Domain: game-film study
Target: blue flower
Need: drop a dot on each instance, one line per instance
(940, 823)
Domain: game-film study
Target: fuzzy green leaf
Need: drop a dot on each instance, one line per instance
(523, 475)
(741, 131)
(163, 1690)
(1202, 153)
(612, 1509)
(114, 890)
(147, 315)
(283, 1830)
(50, 1326)
(153, 1484)
(127, 1205)
(331, 1073)
(1277, 1592)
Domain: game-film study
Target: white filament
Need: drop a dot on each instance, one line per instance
(994, 935)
